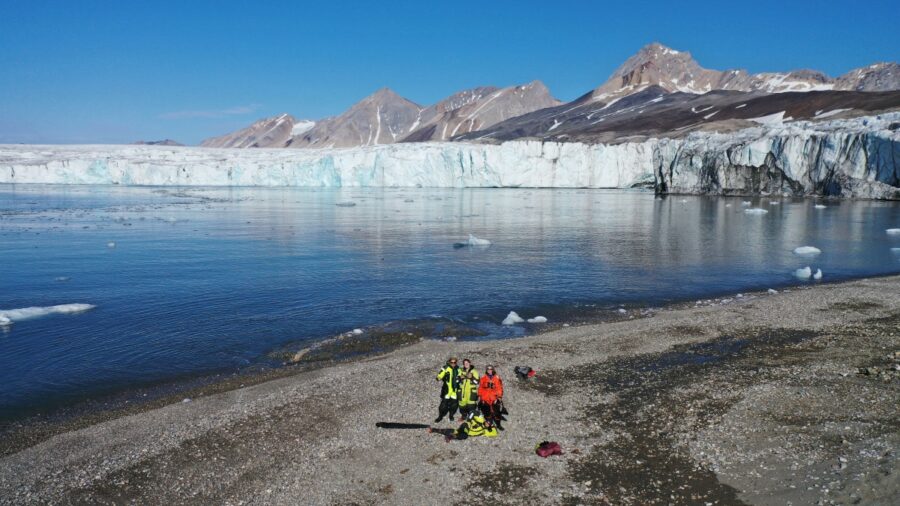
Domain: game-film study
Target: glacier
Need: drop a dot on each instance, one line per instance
(858, 157)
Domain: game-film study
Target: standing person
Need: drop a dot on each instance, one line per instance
(449, 376)
(490, 395)
(468, 389)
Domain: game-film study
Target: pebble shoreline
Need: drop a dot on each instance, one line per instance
(788, 398)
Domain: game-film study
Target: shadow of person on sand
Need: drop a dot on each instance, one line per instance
(398, 425)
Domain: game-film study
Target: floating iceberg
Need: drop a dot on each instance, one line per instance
(807, 251)
(755, 210)
(10, 316)
(818, 274)
(512, 318)
(474, 241)
(537, 319)
(893, 231)
(803, 273)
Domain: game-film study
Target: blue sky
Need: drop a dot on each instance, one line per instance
(119, 71)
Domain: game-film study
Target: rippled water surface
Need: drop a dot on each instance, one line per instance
(193, 281)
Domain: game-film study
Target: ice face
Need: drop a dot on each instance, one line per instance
(855, 157)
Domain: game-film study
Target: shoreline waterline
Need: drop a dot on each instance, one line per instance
(672, 392)
(293, 359)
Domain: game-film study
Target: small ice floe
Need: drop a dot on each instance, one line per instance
(356, 332)
(727, 205)
(895, 251)
(512, 318)
(745, 203)
(537, 319)
(11, 316)
(474, 241)
(818, 274)
(808, 251)
(773, 203)
(772, 291)
(684, 201)
(820, 206)
(346, 204)
(111, 244)
(61, 279)
(755, 210)
(893, 231)
(803, 273)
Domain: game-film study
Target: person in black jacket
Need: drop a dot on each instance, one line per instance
(449, 378)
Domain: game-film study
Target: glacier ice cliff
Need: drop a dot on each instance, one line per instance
(857, 157)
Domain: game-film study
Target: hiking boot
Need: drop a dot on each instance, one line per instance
(438, 419)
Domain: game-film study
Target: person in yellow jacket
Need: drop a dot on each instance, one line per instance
(449, 378)
(474, 426)
(468, 389)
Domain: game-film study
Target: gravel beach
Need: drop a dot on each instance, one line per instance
(787, 398)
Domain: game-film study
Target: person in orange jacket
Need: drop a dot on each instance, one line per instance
(490, 396)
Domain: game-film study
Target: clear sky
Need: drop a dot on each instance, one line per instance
(118, 71)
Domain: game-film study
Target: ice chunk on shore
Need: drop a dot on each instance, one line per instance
(537, 319)
(818, 274)
(893, 231)
(807, 251)
(803, 273)
(474, 241)
(755, 210)
(357, 332)
(622, 311)
(26, 313)
(772, 291)
(512, 318)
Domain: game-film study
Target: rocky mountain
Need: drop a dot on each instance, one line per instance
(164, 142)
(480, 108)
(664, 92)
(271, 132)
(385, 118)
(673, 71)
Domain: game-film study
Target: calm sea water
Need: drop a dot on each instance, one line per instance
(213, 280)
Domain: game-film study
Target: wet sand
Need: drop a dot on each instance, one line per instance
(770, 399)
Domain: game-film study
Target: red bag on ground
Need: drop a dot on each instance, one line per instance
(548, 448)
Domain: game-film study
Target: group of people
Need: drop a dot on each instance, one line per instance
(479, 398)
